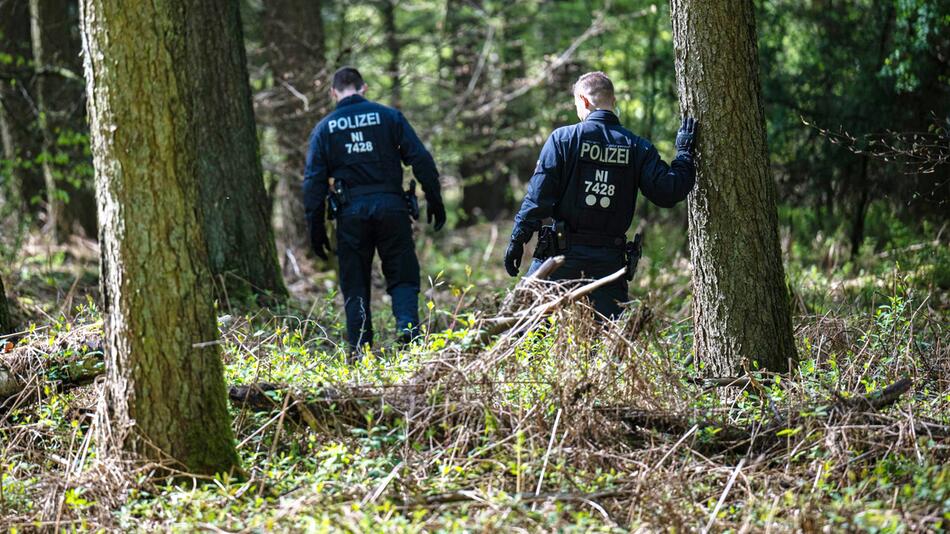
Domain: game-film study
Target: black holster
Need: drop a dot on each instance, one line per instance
(633, 251)
(552, 240)
(411, 201)
(337, 199)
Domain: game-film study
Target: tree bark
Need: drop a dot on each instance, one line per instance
(165, 385)
(740, 300)
(294, 40)
(59, 98)
(234, 203)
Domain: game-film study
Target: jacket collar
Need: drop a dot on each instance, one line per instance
(603, 115)
(350, 100)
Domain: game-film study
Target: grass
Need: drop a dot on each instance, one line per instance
(524, 434)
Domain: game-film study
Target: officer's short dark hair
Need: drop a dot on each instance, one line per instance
(597, 86)
(347, 78)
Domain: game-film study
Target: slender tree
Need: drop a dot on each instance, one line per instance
(58, 97)
(165, 384)
(387, 9)
(21, 144)
(6, 324)
(235, 206)
(294, 41)
(740, 300)
(471, 73)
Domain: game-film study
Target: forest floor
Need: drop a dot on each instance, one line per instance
(560, 425)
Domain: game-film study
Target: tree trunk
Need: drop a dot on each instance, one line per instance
(70, 203)
(740, 302)
(394, 47)
(294, 40)
(470, 71)
(6, 323)
(234, 202)
(11, 203)
(21, 144)
(165, 385)
(860, 209)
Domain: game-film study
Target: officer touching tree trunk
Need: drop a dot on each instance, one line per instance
(362, 145)
(586, 180)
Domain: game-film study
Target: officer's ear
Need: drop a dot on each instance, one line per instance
(363, 89)
(585, 100)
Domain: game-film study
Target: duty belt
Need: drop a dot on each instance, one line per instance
(360, 190)
(339, 196)
(594, 240)
(556, 239)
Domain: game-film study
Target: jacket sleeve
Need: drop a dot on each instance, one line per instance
(415, 154)
(544, 191)
(315, 179)
(663, 184)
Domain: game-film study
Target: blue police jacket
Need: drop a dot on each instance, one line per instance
(588, 176)
(363, 144)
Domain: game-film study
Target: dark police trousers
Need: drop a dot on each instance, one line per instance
(377, 222)
(589, 262)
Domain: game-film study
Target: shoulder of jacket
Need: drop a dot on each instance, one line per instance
(565, 133)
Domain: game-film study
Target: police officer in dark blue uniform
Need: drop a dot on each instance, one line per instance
(586, 180)
(362, 145)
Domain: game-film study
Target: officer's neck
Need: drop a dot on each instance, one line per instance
(596, 110)
(340, 97)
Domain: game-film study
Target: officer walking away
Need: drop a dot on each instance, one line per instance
(586, 180)
(362, 146)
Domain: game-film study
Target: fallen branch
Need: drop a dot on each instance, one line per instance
(721, 436)
(67, 368)
(545, 270)
(492, 327)
(463, 496)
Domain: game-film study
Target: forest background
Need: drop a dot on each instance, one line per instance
(485, 82)
(857, 108)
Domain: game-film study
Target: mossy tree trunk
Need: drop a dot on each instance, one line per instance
(295, 43)
(234, 203)
(740, 300)
(165, 384)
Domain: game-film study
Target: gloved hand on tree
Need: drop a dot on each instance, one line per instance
(686, 137)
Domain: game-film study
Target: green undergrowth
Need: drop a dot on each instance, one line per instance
(474, 460)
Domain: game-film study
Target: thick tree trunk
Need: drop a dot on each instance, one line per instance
(70, 203)
(21, 144)
(165, 385)
(294, 40)
(740, 301)
(234, 203)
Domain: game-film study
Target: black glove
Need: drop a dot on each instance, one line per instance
(513, 257)
(319, 241)
(435, 211)
(686, 137)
